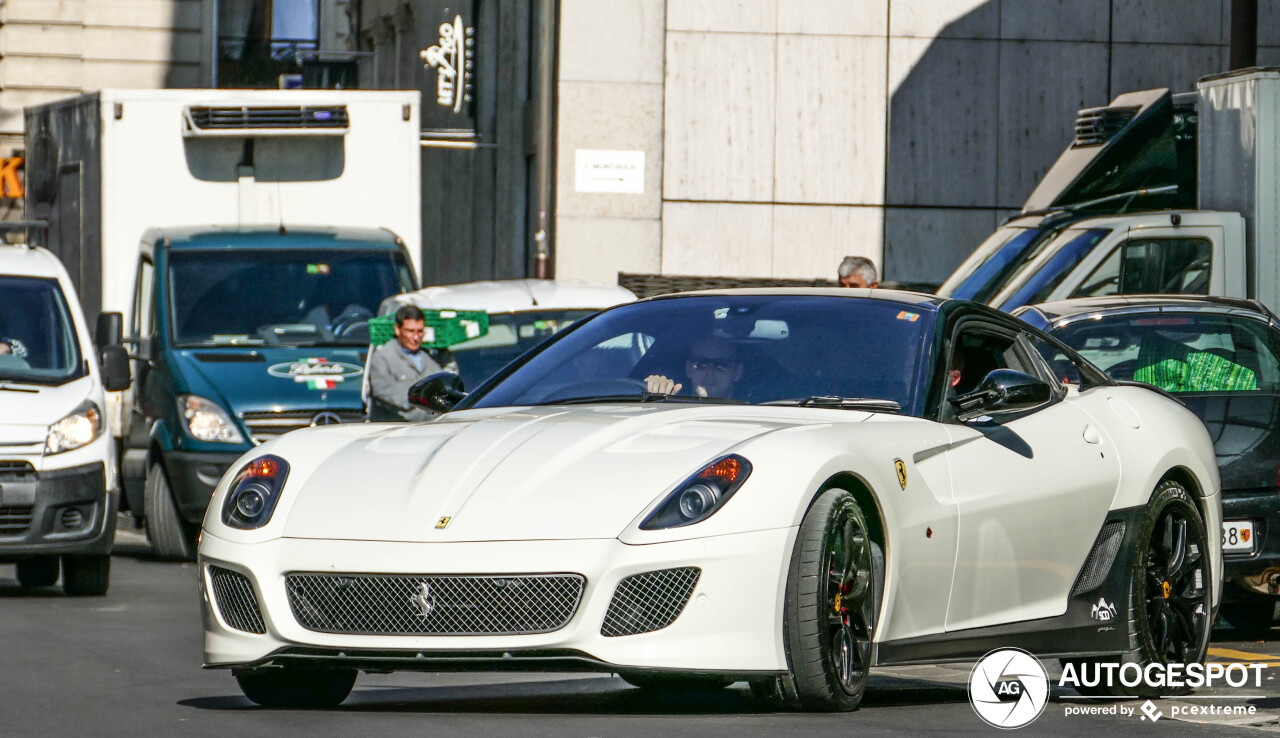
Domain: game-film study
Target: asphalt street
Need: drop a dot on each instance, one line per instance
(128, 664)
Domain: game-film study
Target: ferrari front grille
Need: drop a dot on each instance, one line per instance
(650, 601)
(433, 604)
(237, 603)
(1100, 558)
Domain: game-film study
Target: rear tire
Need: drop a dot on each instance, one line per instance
(169, 533)
(291, 687)
(86, 576)
(1169, 599)
(38, 572)
(833, 588)
(1249, 616)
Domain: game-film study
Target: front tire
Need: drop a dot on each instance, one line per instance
(830, 610)
(1169, 600)
(38, 572)
(291, 687)
(168, 532)
(86, 576)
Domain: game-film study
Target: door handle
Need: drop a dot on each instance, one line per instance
(1091, 435)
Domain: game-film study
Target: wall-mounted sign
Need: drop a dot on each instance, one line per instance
(609, 171)
(10, 185)
(448, 68)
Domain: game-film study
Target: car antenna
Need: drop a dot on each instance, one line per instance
(532, 296)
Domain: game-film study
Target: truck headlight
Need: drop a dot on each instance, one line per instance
(207, 421)
(80, 428)
(254, 493)
(701, 495)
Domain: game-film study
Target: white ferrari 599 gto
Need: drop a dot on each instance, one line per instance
(786, 487)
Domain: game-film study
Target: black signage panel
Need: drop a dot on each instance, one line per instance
(446, 74)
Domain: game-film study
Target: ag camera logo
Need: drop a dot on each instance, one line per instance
(1008, 688)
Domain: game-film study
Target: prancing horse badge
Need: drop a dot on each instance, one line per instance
(443, 522)
(902, 473)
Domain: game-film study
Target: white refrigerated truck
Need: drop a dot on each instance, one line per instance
(1157, 193)
(246, 235)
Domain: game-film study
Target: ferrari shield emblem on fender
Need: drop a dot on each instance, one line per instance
(902, 472)
(443, 522)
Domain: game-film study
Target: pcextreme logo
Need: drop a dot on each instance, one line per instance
(1008, 688)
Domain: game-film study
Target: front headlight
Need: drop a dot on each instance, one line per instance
(254, 493)
(701, 495)
(80, 428)
(207, 421)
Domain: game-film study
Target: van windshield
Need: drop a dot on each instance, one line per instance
(280, 297)
(993, 263)
(38, 341)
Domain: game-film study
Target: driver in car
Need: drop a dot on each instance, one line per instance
(713, 368)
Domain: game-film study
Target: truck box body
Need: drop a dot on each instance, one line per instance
(105, 166)
(1239, 155)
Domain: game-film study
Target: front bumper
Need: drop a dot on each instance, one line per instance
(1257, 572)
(57, 511)
(193, 477)
(731, 624)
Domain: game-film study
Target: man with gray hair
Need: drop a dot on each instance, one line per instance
(857, 271)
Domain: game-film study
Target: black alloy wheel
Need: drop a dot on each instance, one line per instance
(832, 600)
(1174, 606)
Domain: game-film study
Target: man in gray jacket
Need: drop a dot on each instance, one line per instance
(397, 365)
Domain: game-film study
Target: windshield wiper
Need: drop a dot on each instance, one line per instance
(7, 385)
(844, 403)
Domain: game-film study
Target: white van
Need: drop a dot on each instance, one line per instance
(59, 487)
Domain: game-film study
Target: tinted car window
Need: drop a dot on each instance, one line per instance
(1068, 251)
(1181, 352)
(992, 265)
(790, 347)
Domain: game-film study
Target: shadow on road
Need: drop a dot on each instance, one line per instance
(592, 696)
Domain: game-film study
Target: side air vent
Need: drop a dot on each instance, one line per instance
(283, 120)
(236, 600)
(1100, 558)
(651, 601)
(1096, 126)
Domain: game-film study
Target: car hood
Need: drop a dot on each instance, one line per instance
(27, 410)
(524, 474)
(275, 378)
(1245, 429)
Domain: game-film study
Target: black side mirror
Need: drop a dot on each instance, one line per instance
(438, 392)
(116, 375)
(1003, 391)
(110, 330)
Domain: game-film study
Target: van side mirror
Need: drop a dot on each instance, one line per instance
(438, 392)
(116, 374)
(1003, 391)
(110, 330)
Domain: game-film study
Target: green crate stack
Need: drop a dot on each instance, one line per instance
(444, 328)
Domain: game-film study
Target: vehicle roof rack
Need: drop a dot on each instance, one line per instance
(24, 226)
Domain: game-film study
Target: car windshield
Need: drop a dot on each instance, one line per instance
(1181, 351)
(797, 349)
(1060, 257)
(992, 265)
(509, 336)
(38, 341)
(294, 297)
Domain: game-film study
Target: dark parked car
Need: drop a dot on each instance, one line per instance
(1221, 358)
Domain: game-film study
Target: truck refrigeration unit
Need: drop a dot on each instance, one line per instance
(248, 235)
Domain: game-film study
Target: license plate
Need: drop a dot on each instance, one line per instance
(1237, 535)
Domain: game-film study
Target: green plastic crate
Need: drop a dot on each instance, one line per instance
(444, 328)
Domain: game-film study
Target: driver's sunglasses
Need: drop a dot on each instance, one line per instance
(720, 365)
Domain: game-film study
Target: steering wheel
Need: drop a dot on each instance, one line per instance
(598, 388)
(347, 323)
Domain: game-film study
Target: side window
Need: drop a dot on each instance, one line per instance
(1060, 366)
(143, 322)
(1105, 278)
(1166, 266)
(976, 353)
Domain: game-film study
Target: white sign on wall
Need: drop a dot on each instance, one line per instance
(609, 171)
